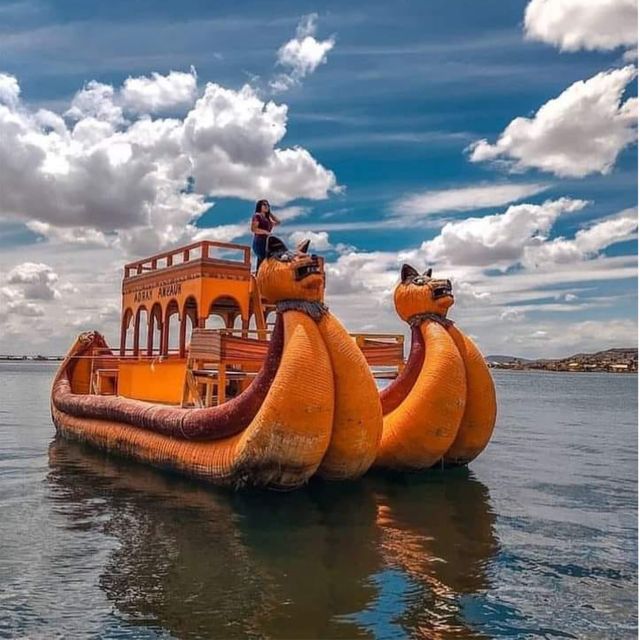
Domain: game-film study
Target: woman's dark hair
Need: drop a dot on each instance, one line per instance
(259, 206)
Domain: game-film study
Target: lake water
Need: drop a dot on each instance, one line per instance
(538, 539)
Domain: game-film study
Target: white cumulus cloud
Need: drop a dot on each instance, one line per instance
(582, 24)
(231, 137)
(33, 281)
(301, 55)
(319, 240)
(580, 132)
(222, 232)
(607, 232)
(159, 93)
(587, 242)
(464, 198)
(96, 100)
(68, 235)
(499, 239)
(512, 314)
(16, 305)
(9, 89)
(146, 180)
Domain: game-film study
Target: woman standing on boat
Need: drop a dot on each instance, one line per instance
(262, 223)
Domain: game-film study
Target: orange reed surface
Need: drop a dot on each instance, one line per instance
(282, 447)
(422, 428)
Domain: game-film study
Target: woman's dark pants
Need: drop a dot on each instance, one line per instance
(260, 249)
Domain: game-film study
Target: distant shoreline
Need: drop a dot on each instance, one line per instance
(618, 360)
(493, 366)
(31, 359)
(540, 370)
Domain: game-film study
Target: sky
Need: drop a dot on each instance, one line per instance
(493, 142)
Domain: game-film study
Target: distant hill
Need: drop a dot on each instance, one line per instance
(629, 353)
(620, 359)
(505, 359)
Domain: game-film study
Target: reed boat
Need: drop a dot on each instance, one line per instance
(279, 390)
(276, 392)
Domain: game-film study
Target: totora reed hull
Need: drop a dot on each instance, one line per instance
(282, 446)
(273, 405)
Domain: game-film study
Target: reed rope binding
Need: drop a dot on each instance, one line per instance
(315, 310)
(417, 319)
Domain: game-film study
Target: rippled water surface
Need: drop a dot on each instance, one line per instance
(537, 539)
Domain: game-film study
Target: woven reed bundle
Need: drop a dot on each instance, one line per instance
(293, 282)
(357, 421)
(419, 431)
(479, 419)
(196, 424)
(283, 445)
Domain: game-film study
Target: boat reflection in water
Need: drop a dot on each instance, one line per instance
(383, 556)
(436, 540)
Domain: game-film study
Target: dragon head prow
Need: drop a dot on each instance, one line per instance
(291, 274)
(421, 293)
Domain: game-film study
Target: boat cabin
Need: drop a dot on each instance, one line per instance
(194, 330)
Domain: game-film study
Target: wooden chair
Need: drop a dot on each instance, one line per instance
(215, 359)
(203, 362)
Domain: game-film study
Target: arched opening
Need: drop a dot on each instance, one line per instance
(215, 322)
(171, 333)
(154, 337)
(140, 330)
(224, 308)
(189, 321)
(271, 319)
(126, 337)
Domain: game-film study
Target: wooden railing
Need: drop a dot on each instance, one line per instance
(381, 349)
(198, 251)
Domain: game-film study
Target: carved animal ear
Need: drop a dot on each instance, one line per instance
(303, 246)
(428, 273)
(407, 272)
(275, 246)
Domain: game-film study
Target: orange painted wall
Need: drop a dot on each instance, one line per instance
(152, 381)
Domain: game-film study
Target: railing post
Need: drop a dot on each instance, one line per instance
(123, 338)
(151, 322)
(136, 333)
(183, 335)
